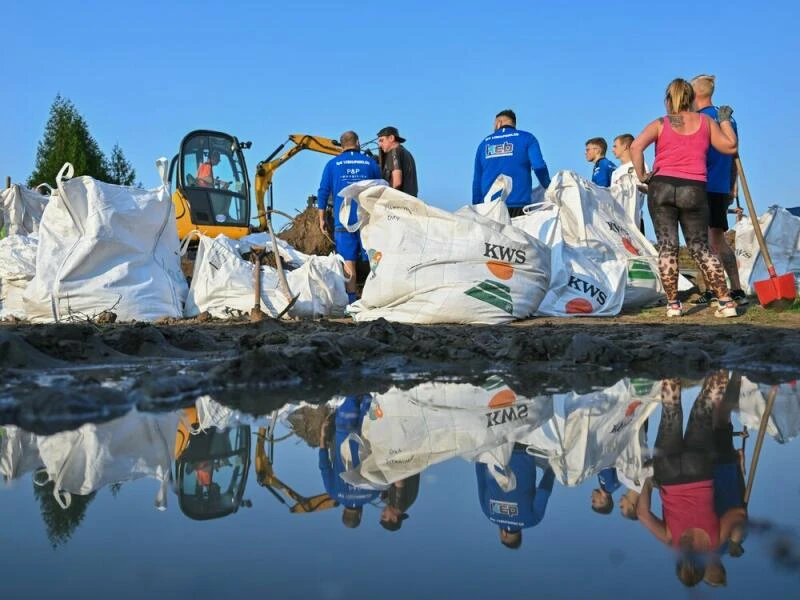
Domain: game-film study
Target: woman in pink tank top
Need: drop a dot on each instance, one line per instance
(677, 189)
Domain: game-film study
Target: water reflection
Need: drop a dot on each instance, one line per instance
(632, 446)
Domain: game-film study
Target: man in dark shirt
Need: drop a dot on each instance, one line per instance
(397, 165)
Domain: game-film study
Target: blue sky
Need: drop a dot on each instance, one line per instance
(145, 73)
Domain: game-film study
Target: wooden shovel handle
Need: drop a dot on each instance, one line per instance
(762, 430)
(762, 243)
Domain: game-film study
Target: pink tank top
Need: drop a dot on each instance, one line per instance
(682, 156)
(690, 505)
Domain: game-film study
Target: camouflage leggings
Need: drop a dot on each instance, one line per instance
(672, 201)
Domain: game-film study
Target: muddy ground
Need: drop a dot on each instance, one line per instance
(93, 371)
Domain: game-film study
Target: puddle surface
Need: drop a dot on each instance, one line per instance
(421, 489)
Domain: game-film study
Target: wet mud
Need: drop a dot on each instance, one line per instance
(97, 370)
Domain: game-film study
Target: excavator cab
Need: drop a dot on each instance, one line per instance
(211, 188)
(211, 468)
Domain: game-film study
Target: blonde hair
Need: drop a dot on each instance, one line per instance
(704, 85)
(679, 96)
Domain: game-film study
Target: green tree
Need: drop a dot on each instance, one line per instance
(60, 523)
(120, 170)
(67, 139)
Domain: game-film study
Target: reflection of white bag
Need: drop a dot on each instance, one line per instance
(596, 239)
(408, 431)
(107, 247)
(432, 266)
(590, 432)
(93, 456)
(223, 283)
(784, 421)
(781, 231)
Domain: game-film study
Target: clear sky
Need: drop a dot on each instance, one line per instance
(145, 73)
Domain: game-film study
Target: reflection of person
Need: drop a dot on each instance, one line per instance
(677, 189)
(348, 167)
(338, 452)
(608, 483)
(596, 149)
(205, 172)
(684, 470)
(399, 498)
(397, 163)
(520, 508)
(511, 152)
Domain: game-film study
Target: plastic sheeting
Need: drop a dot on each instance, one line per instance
(107, 247)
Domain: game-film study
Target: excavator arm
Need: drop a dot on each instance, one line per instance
(266, 168)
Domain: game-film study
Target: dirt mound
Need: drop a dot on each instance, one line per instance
(304, 234)
(307, 422)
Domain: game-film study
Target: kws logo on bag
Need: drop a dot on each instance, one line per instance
(624, 236)
(503, 409)
(499, 252)
(581, 305)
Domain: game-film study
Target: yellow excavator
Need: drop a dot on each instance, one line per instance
(211, 185)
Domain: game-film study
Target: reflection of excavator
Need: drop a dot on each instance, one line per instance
(211, 186)
(211, 468)
(266, 478)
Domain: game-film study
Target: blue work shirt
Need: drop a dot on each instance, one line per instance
(601, 174)
(348, 419)
(608, 480)
(349, 167)
(718, 165)
(522, 507)
(511, 152)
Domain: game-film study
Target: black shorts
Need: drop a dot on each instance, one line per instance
(718, 210)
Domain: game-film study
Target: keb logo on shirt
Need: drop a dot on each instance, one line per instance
(509, 509)
(501, 149)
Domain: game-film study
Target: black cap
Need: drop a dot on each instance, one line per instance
(392, 131)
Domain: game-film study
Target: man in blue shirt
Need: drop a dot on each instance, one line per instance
(349, 167)
(520, 508)
(721, 190)
(512, 152)
(602, 499)
(338, 452)
(596, 149)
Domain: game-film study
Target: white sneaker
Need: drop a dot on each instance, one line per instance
(674, 310)
(726, 309)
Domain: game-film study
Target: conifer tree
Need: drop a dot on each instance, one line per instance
(120, 170)
(67, 139)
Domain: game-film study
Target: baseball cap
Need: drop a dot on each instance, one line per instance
(392, 131)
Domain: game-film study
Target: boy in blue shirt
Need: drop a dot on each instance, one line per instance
(596, 149)
(512, 152)
(520, 508)
(349, 167)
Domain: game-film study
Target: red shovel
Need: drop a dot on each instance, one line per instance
(779, 291)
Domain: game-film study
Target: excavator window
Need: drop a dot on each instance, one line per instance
(213, 177)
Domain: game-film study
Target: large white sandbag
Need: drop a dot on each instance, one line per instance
(107, 247)
(590, 232)
(781, 231)
(17, 268)
(21, 210)
(433, 266)
(223, 283)
(784, 420)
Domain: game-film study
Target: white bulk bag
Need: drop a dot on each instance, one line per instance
(107, 247)
(223, 283)
(21, 209)
(781, 231)
(17, 268)
(588, 217)
(432, 266)
(784, 420)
